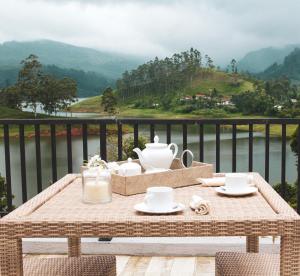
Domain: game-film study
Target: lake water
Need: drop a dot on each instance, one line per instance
(193, 144)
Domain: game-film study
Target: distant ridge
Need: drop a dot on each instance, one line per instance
(290, 68)
(259, 60)
(67, 56)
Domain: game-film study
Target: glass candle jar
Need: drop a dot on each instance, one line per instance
(96, 186)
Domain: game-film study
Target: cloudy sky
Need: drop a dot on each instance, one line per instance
(221, 28)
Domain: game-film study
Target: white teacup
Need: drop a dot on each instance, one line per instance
(159, 198)
(236, 182)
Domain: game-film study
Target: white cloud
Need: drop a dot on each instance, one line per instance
(221, 28)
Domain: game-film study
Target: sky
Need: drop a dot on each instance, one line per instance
(223, 29)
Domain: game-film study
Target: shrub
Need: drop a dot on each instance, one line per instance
(3, 195)
(291, 193)
(128, 147)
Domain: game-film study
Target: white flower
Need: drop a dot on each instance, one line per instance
(95, 161)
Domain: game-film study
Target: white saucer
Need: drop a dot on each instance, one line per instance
(142, 207)
(246, 191)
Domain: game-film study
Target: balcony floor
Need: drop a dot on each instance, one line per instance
(155, 266)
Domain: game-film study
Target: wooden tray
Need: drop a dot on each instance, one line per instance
(177, 177)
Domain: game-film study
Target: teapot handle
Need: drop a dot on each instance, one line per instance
(175, 149)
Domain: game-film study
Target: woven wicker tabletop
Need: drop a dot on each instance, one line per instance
(59, 211)
(68, 206)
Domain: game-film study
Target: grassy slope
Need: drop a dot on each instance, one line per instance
(92, 104)
(8, 113)
(220, 81)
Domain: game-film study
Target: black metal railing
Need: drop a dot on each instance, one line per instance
(135, 123)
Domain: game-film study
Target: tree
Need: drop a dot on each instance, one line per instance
(29, 81)
(57, 94)
(109, 101)
(233, 66)
(10, 97)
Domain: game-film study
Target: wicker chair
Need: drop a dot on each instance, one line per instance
(72, 266)
(247, 264)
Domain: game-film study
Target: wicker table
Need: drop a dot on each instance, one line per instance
(59, 212)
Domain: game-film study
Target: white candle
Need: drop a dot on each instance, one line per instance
(96, 191)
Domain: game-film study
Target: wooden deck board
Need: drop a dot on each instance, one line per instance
(158, 266)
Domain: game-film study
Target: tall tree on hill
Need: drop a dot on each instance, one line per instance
(159, 77)
(109, 101)
(29, 80)
(233, 66)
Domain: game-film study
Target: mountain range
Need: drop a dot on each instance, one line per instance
(259, 60)
(290, 68)
(63, 55)
(93, 70)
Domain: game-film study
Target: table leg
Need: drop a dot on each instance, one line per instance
(11, 259)
(74, 247)
(252, 244)
(290, 255)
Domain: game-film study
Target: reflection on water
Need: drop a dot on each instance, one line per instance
(193, 144)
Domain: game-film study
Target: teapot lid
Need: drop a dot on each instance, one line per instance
(130, 165)
(156, 144)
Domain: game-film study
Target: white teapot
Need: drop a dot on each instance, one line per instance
(157, 155)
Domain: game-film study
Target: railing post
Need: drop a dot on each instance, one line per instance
(283, 160)
(7, 167)
(136, 135)
(103, 153)
(69, 148)
(53, 152)
(201, 142)
(234, 148)
(217, 148)
(184, 142)
(120, 142)
(38, 158)
(267, 152)
(298, 169)
(23, 162)
(84, 142)
(250, 154)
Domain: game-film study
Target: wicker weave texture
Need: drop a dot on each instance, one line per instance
(82, 266)
(246, 264)
(59, 212)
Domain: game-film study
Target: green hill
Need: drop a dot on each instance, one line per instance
(290, 68)
(259, 60)
(67, 56)
(202, 83)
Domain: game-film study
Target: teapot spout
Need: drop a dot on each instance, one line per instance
(140, 155)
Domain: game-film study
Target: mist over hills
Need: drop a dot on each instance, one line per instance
(290, 68)
(259, 60)
(65, 55)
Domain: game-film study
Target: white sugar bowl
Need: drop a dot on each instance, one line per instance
(130, 168)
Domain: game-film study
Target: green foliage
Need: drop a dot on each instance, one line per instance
(291, 193)
(109, 101)
(272, 98)
(29, 81)
(159, 77)
(57, 94)
(34, 87)
(3, 195)
(128, 147)
(88, 83)
(10, 97)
